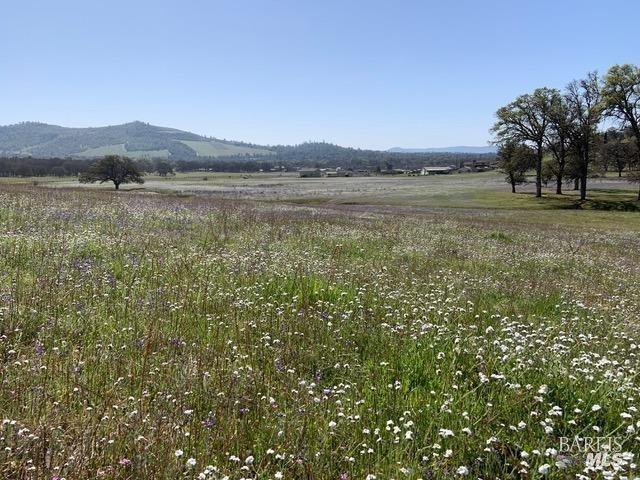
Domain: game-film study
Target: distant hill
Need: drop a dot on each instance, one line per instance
(135, 139)
(141, 140)
(461, 149)
(322, 154)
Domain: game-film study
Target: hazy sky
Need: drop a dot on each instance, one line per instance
(374, 74)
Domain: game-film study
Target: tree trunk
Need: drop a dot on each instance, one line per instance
(584, 172)
(539, 172)
(117, 185)
(576, 183)
(562, 162)
(636, 131)
(513, 187)
(638, 153)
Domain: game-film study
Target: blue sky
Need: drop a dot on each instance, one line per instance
(374, 74)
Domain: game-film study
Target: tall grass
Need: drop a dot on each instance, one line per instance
(163, 337)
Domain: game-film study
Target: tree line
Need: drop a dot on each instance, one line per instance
(323, 154)
(592, 125)
(63, 167)
(310, 154)
(41, 167)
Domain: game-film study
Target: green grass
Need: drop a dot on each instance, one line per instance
(322, 340)
(120, 149)
(117, 149)
(463, 191)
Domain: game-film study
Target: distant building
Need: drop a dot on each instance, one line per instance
(338, 172)
(437, 170)
(480, 165)
(309, 172)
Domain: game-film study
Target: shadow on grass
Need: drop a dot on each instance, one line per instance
(598, 204)
(602, 200)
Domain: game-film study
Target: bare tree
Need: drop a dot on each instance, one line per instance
(526, 120)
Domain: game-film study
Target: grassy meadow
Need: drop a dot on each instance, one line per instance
(480, 190)
(269, 327)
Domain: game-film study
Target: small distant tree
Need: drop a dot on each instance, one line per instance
(58, 171)
(144, 165)
(514, 159)
(550, 170)
(634, 177)
(617, 151)
(163, 168)
(112, 168)
(572, 169)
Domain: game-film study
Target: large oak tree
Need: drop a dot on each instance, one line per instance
(113, 168)
(526, 120)
(584, 100)
(621, 98)
(558, 137)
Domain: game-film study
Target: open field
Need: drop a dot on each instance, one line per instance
(482, 190)
(274, 327)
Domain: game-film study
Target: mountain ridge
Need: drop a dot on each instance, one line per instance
(135, 139)
(142, 140)
(458, 149)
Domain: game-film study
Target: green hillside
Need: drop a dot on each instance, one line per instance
(135, 139)
(216, 148)
(120, 149)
